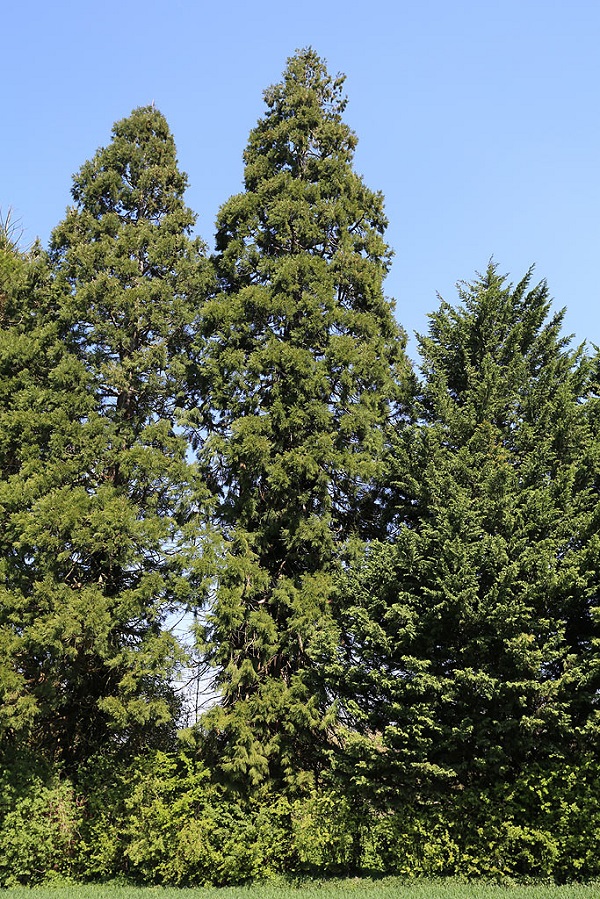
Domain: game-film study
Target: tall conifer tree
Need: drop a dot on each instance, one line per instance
(104, 539)
(468, 639)
(306, 368)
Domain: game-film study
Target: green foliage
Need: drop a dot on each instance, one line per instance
(161, 819)
(404, 626)
(98, 500)
(166, 822)
(543, 825)
(468, 646)
(40, 817)
(42, 399)
(304, 368)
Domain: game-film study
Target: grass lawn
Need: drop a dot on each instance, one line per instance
(388, 888)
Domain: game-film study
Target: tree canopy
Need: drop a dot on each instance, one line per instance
(305, 369)
(100, 495)
(392, 574)
(468, 635)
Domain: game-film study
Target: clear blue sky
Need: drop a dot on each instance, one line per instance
(478, 119)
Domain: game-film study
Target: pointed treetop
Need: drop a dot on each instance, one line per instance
(303, 125)
(510, 328)
(306, 82)
(136, 175)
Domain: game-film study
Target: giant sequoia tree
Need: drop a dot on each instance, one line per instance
(99, 505)
(305, 366)
(469, 639)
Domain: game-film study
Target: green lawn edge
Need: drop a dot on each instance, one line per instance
(387, 888)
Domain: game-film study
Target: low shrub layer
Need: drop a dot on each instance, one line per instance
(163, 820)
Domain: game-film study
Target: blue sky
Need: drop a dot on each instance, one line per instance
(479, 120)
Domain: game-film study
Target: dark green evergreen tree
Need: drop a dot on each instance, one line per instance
(100, 507)
(305, 368)
(468, 637)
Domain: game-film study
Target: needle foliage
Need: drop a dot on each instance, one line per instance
(305, 369)
(470, 637)
(98, 494)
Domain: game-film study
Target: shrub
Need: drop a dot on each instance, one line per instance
(39, 834)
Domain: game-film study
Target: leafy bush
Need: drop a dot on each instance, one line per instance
(39, 834)
(163, 820)
(167, 822)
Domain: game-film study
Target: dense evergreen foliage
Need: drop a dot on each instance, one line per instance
(394, 576)
(470, 636)
(44, 401)
(304, 369)
(98, 492)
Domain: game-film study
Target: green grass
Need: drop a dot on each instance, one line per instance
(388, 888)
